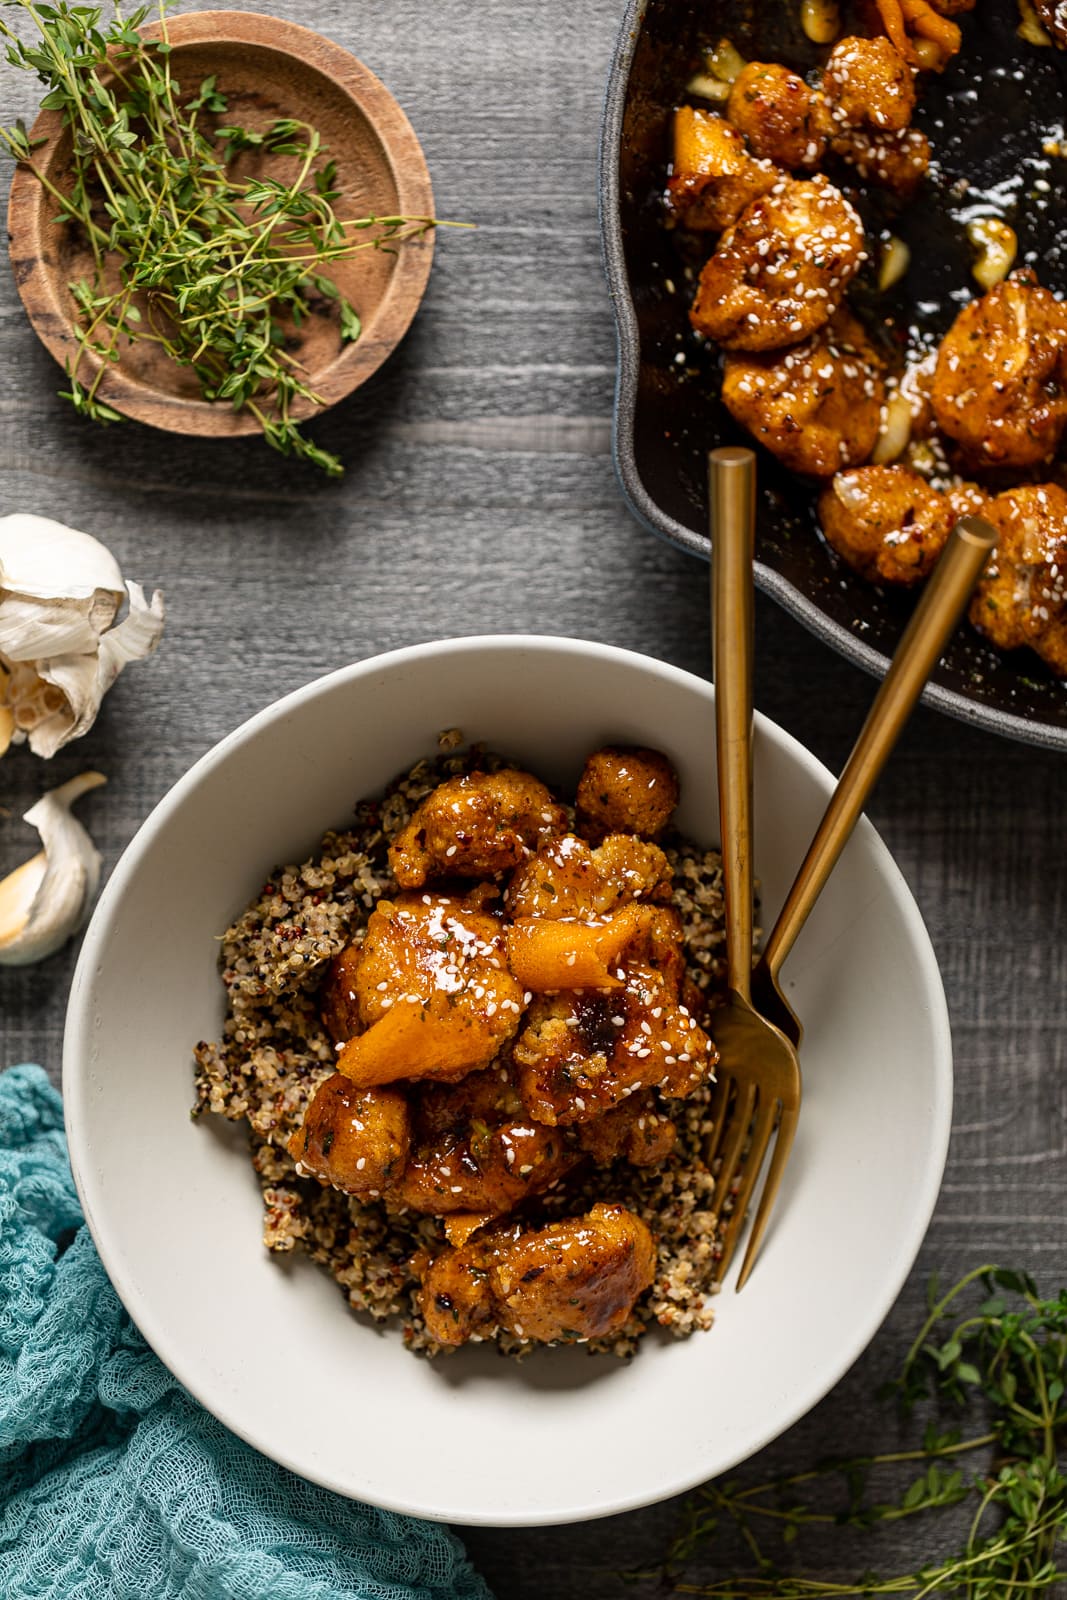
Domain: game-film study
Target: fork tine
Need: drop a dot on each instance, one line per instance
(753, 1165)
(733, 1142)
(787, 1127)
(723, 1097)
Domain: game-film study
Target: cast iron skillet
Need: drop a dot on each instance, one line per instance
(988, 118)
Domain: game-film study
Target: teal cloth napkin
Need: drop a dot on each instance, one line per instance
(113, 1481)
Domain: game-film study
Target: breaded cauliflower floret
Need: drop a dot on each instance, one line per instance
(782, 270)
(886, 522)
(475, 827)
(895, 161)
(1000, 385)
(782, 119)
(1021, 599)
(817, 407)
(624, 789)
(569, 878)
(869, 85)
(575, 1279)
(713, 176)
(432, 991)
(355, 1139)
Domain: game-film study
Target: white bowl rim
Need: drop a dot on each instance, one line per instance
(77, 1030)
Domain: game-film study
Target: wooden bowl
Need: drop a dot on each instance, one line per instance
(267, 69)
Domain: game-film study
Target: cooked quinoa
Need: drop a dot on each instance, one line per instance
(275, 1052)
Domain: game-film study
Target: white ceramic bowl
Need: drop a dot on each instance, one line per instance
(271, 1349)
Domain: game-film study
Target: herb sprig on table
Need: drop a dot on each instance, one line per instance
(216, 269)
(1000, 1365)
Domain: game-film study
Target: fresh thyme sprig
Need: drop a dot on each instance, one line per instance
(1004, 1360)
(217, 270)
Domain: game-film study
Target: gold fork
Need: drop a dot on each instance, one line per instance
(758, 1073)
(764, 1090)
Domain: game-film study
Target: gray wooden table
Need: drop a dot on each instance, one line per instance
(480, 498)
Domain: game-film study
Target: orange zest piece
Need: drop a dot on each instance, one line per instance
(461, 1224)
(415, 1040)
(900, 18)
(892, 15)
(925, 20)
(557, 954)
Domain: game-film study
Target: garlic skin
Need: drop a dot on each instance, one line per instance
(45, 900)
(60, 591)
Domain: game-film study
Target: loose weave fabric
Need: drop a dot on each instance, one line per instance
(113, 1481)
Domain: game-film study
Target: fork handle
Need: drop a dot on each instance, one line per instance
(916, 655)
(732, 504)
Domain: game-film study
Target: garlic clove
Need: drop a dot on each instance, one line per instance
(43, 902)
(44, 559)
(18, 891)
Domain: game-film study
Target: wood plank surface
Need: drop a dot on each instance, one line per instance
(480, 497)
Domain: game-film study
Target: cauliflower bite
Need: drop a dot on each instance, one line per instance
(575, 1279)
(626, 790)
(713, 176)
(433, 992)
(418, 943)
(486, 1169)
(886, 522)
(355, 1139)
(569, 878)
(1021, 599)
(869, 84)
(475, 1150)
(583, 1051)
(781, 118)
(781, 271)
(635, 1132)
(338, 1000)
(895, 161)
(1000, 384)
(816, 407)
(475, 827)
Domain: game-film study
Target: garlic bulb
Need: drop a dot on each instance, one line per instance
(45, 900)
(60, 592)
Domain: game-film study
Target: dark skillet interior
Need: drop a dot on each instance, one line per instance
(988, 119)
